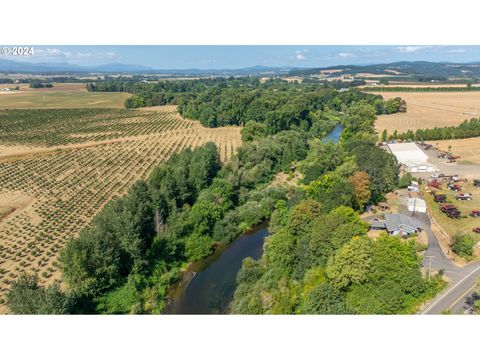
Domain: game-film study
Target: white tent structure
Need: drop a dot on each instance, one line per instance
(412, 157)
(417, 205)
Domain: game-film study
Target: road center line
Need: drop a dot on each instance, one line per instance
(449, 291)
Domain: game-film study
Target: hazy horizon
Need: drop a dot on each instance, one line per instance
(240, 56)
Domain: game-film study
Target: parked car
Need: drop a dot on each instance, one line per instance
(476, 230)
(455, 187)
(464, 196)
(475, 213)
(476, 182)
(437, 176)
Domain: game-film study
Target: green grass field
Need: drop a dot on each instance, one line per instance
(58, 100)
(466, 223)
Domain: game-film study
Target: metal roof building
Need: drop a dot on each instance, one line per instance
(412, 157)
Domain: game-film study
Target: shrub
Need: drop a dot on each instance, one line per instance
(463, 245)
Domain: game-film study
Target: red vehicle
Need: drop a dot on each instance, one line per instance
(440, 198)
(475, 213)
(434, 183)
(455, 187)
(447, 207)
(453, 214)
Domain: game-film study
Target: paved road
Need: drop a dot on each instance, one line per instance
(463, 279)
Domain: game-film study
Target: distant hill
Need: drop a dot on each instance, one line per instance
(413, 70)
(10, 66)
(402, 68)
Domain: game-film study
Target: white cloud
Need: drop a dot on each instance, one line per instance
(410, 49)
(300, 54)
(456, 51)
(58, 55)
(345, 55)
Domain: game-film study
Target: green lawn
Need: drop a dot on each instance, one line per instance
(60, 99)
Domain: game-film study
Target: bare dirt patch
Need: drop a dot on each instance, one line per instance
(467, 149)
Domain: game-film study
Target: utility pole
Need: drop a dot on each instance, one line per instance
(429, 258)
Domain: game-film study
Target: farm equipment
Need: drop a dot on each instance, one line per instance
(434, 183)
(475, 213)
(440, 198)
(464, 196)
(447, 207)
(453, 214)
(476, 182)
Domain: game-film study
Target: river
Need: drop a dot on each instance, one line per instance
(334, 135)
(211, 289)
(209, 285)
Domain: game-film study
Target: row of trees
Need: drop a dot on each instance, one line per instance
(467, 129)
(468, 87)
(40, 85)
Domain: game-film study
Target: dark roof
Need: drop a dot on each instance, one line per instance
(394, 222)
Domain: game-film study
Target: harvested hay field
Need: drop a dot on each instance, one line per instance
(61, 99)
(48, 196)
(56, 87)
(430, 109)
(467, 149)
(419, 85)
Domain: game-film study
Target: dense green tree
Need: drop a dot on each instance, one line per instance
(253, 131)
(463, 244)
(321, 159)
(381, 167)
(27, 297)
(324, 299)
(351, 263)
(279, 249)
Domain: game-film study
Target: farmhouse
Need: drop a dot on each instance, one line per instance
(396, 224)
(411, 157)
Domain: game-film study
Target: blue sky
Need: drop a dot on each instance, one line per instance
(209, 57)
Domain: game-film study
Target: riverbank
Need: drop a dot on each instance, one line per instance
(208, 286)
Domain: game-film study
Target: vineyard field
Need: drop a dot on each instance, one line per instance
(59, 168)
